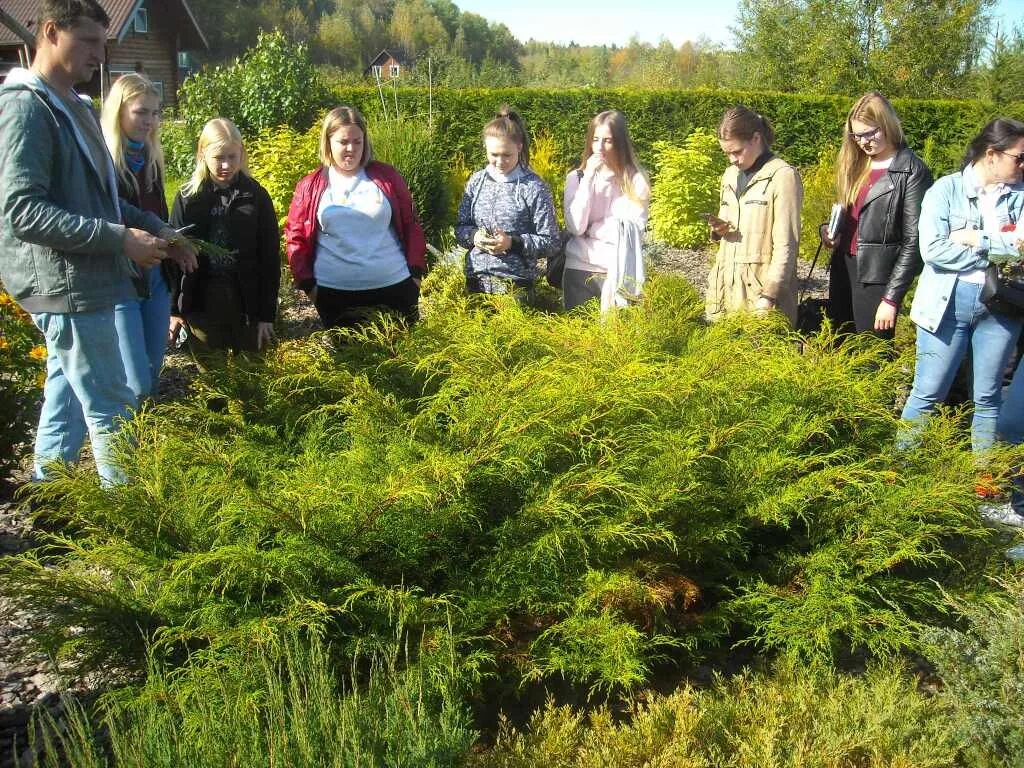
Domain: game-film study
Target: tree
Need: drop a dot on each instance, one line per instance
(922, 48)
(232, 26)
(415, 28)
(802, 45)
(1002, 79)
(929, 49)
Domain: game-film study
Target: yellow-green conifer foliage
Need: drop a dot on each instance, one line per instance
(686, 186)
(569, 495)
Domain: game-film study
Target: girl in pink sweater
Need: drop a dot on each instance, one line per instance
(608, 187)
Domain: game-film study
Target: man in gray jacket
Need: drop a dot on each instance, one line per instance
(68, 246)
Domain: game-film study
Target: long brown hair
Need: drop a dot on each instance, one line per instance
(853, 165)
(623, 162)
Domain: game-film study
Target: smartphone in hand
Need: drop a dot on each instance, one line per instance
(715, 222)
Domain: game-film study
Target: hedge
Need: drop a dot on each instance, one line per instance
(938, 130)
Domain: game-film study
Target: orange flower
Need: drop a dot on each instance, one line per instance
(37, 353)
(4, 344)
(6, 300)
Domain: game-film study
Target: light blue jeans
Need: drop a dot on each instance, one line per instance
(86, 390)
(990, 338)
(142, 335)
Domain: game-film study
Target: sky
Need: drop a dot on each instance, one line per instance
(592, 22)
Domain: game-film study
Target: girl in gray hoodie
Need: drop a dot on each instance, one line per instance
(507, 216)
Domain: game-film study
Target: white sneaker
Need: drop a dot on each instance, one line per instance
(1003, 514)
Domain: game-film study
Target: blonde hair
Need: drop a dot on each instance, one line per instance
(217, 133)
(853, 166)
(623, 163)
(509, 125)
(334, 120)
(126, 89)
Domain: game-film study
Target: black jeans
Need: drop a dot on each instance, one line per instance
(852, 304)
(347, 309)
(579, 286)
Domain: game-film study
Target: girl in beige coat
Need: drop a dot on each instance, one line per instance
(758, 223)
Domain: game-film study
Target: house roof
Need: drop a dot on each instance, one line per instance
(121, 13)
(398, 54)
(389, 53)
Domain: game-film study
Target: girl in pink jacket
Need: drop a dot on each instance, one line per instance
(609, 187)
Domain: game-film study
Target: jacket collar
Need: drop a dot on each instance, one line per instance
(970, 181)
(766, 171)
(763, 174)
(901, 162)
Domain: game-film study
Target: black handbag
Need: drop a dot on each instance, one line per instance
(556, 258)
(810, 312)
(1003, 291)
(556, 261)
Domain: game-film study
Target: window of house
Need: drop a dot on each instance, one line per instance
(183, 60)
(395, 69)
(378, 70)
(142, 21)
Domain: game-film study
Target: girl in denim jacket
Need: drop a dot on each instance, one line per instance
(966, 218)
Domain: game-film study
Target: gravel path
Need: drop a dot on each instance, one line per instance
(27, 681)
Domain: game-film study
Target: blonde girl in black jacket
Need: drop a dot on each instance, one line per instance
(880, 182)
(230, 301)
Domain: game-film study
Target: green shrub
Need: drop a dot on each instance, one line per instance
(273, 84)
(455, 183)
(805, 125)
(285, 708)
(411, 146)
(544, 159)
(578, 498)
(179, 143)
(793, 719)
(819, 196)
(278, 158)
(686, 185)
(982, 668)
(22, 373)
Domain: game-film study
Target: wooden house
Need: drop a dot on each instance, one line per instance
(158, 38)
(387, 65)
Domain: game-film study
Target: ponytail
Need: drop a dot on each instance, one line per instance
(508, 124)
(742, 123)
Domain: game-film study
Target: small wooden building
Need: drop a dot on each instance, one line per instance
(158, 38)
(387, 65)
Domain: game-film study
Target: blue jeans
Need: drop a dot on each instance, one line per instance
(85, 377)
(966, 324)
(142, 335)
(1011, 427)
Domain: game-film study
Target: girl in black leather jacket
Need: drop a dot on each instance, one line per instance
(875, 257)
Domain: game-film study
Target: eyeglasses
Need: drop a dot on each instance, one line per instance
(866, 136)
(1019, 159)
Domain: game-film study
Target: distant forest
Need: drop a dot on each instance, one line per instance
(913, 48)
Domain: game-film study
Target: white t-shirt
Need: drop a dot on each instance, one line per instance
(357, 248)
